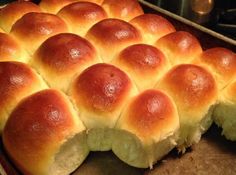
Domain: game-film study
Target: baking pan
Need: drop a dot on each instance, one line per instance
(213, 155)
(207, 37)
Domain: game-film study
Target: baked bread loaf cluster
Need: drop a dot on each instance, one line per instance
(79, 76)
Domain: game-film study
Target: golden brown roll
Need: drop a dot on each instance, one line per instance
(17, 80)
(100, 92)
(152, 27)
(179, 47)
(61, 57)
(50, 138)
(33, 28)
(124, 9)
(99, 2)
(221, 62)
(80, 16)
(112, 32)
(11, 50)
(1, 31)
(14, 11)
(144, 63)
(225, 112)
(53, 6)
(147, 129)
(195, 93)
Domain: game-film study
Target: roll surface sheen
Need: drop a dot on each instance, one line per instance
(100, 75)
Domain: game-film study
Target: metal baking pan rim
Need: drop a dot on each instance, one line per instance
(189, 23)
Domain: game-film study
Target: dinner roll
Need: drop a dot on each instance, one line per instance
(195, 93)
(11, 50)
(94, 1)
(221, 62)
(152, 27)
(124, 9)
(112, 32)
(144, 63)
(14, 11)
(100, 75)
(33, 28)
(147, 129)
(100, 92)
(80, 16)
(61, 57)
(53, 6)
(225, 112)
(17, 80)
(179, 47)
(50, 138)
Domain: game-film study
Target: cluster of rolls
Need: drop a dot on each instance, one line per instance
(79, 76)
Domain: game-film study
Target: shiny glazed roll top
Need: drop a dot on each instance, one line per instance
(152, 27)
(61, 57)
(50, 138)
(80, 16)
(100, 93)
(147, 129)
(34, 28)
(124, 9)
(221, 62)
(179, 47)
(14, 11)
(53, 6)
(144, 63)
(17, 80)
(110, 36)
(11, 50)
(99, 2)
(195, 93)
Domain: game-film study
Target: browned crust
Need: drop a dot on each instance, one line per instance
(101, 87)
